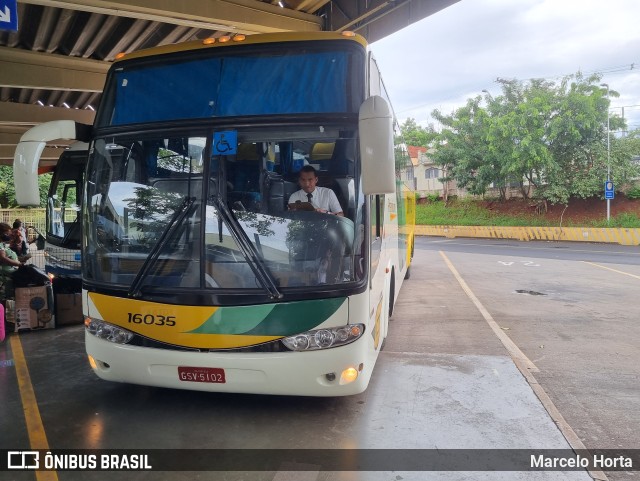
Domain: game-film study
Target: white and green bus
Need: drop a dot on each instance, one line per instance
(196, 274)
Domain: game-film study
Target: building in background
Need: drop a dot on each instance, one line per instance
(428, 175)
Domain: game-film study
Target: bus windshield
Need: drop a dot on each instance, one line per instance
(169, 214)
(63, 203)
(222, 83)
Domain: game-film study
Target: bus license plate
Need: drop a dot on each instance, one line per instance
(201, 374)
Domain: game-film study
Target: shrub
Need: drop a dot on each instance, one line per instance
(626, 220)
(433, 197)
(634, 193)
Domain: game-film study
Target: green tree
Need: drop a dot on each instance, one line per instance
(625, 159)
(517, 132)
(44, 181)
(537, 133)
(416, 135)
(463, 151)
(577, 137)
(8, 191)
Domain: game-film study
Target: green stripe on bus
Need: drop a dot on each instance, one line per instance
(270, 319)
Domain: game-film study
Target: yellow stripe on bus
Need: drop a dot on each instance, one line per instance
(167, 323)
(250, 39)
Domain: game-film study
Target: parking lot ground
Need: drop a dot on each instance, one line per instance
(444, 381)
(572, 309)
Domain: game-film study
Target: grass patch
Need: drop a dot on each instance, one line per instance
(469, 213)
(463, 212)
(623, 221)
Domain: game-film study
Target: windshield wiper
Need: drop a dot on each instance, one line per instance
(71, 230)
(174, 224)
(248, 251)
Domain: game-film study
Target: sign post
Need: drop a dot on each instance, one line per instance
(9, 15)
(609, 193)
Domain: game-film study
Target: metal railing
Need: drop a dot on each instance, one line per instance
(32, 219)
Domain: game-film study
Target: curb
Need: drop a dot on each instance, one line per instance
(627, 237)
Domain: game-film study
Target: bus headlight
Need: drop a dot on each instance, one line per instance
(107, 331)
(324, 338)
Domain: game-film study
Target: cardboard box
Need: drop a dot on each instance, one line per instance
(32, 308)
(69, 309)
(10, 311)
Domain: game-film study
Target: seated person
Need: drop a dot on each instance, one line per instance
(18, 244)
(322, 199)
(8, 262)
(18, 224)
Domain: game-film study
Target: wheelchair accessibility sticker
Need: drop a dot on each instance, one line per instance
(225, 142)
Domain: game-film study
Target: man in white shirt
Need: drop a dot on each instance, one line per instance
(322, 199)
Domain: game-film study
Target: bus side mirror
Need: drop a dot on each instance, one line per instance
(25, 172)
(377, 147)
(29, 150)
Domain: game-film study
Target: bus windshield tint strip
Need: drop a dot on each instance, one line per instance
(225, 87)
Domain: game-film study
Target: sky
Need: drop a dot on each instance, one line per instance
(455, 54)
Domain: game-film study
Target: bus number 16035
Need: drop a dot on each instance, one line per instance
(150, 319)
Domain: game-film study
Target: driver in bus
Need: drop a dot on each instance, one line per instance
(321, 198)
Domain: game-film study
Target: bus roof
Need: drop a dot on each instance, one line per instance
(231, 40)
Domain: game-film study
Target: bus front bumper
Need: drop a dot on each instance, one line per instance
(312, 373)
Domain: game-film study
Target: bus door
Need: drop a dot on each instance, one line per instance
(377, 268)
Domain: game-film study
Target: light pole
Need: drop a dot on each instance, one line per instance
(608, 154)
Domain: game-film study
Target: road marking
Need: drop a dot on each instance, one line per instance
(35, 428)
(610, 269)
(567, 431)
(526, 263)
(528, 246)
(526, 367)
(511, 347)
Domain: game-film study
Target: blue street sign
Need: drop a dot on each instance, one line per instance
(225, 142)
(609, 190)
(9, 15)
